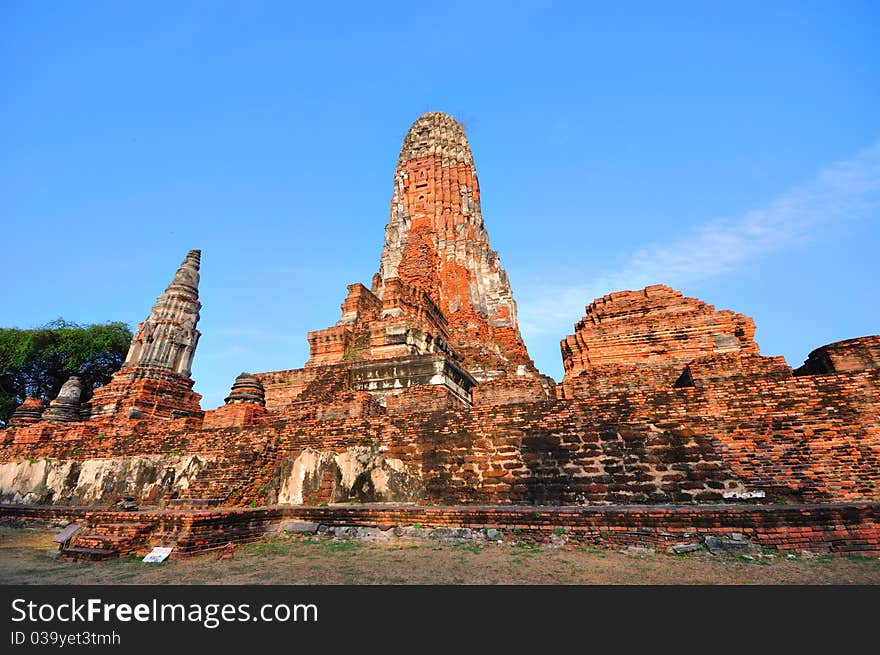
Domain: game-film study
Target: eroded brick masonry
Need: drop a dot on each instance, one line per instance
(424, 392)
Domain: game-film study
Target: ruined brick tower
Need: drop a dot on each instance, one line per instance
(168, 338)
(155, 378)
(436, 241)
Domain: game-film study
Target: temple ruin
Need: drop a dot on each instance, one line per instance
(422, 404)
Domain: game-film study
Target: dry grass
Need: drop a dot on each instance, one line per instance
(25, 559)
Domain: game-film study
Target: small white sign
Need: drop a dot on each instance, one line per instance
(158, 554)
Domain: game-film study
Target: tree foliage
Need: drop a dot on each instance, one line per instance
(37, 362)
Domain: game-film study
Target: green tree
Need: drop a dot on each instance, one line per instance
(37, 362)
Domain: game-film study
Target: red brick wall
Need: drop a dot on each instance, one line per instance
(812, 438)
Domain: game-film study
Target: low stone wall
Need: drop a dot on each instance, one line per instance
(189, 531)
(829, 529)
(836, 529)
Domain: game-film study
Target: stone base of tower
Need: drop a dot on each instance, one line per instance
(390, 376)
(149, 393)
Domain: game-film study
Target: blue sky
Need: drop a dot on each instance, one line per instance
(729, 150)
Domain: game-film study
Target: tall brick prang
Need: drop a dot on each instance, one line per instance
(436, 241)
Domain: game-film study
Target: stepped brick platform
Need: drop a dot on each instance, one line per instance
(833, 528)
(109, 540)
(423, 392)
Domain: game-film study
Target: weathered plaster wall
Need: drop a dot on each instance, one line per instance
(96, 481)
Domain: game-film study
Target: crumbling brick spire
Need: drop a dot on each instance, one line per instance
(156, 378)
(167, 339)
(436, 241)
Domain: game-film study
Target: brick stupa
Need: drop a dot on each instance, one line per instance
(155, 378)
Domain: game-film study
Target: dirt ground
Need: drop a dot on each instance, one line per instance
(25, 559)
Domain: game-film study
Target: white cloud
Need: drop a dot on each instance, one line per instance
(845, 190)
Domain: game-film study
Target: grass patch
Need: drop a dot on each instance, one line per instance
(275, 546)
(745, 559)
(863, 558)
(528, 549)
(289, 560)
(125, 560)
